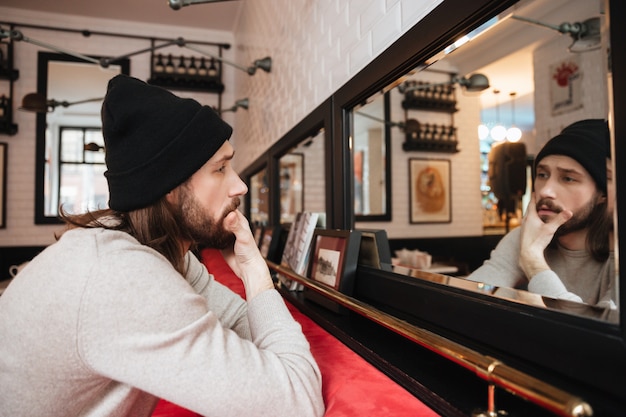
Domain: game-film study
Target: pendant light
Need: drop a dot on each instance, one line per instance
(513, 133)
(498, 132)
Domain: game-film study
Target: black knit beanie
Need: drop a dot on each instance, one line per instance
(586, 141)
(154, 141)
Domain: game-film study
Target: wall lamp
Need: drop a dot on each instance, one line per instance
(473, 83)
(243, 103)
(264, 63)
(586, 35)
(178, 4)
(36, 102)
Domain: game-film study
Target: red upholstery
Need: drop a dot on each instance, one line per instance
(351, 386)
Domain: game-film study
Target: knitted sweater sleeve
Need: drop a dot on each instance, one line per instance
(502, 270)
(230, 307)
(143, 325)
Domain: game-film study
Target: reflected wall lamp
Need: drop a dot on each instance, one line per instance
(178, 4)
(36, 102)
(243, 103)
(474, 83)
(585, 35)
(401, 125)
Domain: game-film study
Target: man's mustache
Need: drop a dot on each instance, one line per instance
(549, 204)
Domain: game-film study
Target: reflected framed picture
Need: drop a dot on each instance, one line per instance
(3, 184)
(270, 242)
(291, 186)
(429, 191)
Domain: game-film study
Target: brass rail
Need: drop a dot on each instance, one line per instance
(490, 369)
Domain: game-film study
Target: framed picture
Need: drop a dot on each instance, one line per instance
(333, 262)
(429, 191)
(3, 185)
(270, 241)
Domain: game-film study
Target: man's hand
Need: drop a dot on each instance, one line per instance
(535, 237)
(244, 257)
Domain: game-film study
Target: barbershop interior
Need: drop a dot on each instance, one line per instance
(388, 146)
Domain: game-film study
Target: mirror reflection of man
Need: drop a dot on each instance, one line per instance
(563, 248)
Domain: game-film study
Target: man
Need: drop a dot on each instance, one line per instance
(118, 312)
(562, 248)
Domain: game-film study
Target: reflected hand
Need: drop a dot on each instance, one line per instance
(244, 257)
(535, 237)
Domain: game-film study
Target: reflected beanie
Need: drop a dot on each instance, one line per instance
(586, 141)
(154, 141)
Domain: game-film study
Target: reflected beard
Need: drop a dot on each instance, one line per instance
(197, 223)
(579, 220)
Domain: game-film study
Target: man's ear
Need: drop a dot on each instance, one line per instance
(172, 196)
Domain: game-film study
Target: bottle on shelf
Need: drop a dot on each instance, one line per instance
(212, 71)
(192, 69)
(169, 65)
(159, 67)
(202, 69)
(181, 69)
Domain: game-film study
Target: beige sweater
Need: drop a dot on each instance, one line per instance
(100, 325)
(574, 275)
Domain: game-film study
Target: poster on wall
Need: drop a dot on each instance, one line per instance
(430, 190)
(565, 86)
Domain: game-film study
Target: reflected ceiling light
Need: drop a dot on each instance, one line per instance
(243, 103)
(36, 102)
(585, 35)
(473, 83)
(178, 4)
(513, 133)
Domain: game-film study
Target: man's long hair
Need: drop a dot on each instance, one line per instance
(599, 228)
(154, 226)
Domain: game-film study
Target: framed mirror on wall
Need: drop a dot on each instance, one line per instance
(371, 158)
(449, 47)
(297, 169)
(70, 146)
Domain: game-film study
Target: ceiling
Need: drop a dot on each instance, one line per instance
(222, 15)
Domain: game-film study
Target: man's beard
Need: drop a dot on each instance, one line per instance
(580, 220)
(197, 224)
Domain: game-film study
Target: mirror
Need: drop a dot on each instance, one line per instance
(302, 178)
(506, 73)
(70, 157)
(371, 159)
(259, 198)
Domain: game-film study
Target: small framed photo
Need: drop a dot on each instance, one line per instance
(269, 242)
(333, 258)
(429, 191)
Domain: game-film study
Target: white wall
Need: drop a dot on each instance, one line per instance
(20, 209)
(316, 46)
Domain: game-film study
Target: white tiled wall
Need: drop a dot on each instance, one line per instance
(20, 208)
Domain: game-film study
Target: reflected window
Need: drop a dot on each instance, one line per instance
(78, 178)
